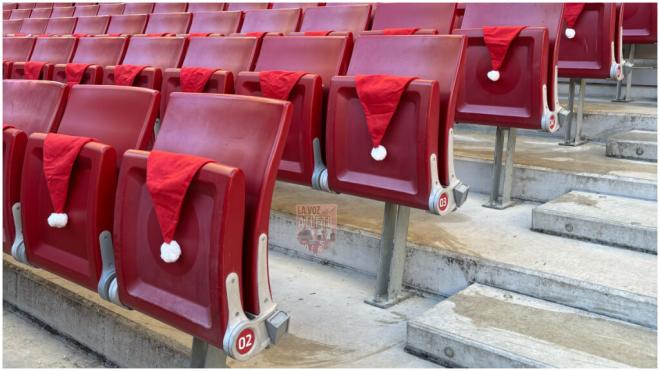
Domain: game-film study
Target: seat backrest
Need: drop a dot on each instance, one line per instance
(34, 26)
(58, 5)
(216, 22)
(229, 53)
(247, 6)
(54, 49)
(640, 21)
(86, 10)
(111, 9)
(63, 11)
(325, 56)
(101, 51)
(161, 52)
(61, 26)
(11, 26)
(170, 7)
(8, 6)
(6, 14)
(127, 24)
(206, 7)
(111, 114)
(22, 5)
(33, 105)
(92, 25)
(20, 13)
(278, 20)
(438, 16)
(41, 13)
(279, 5)
(175, 23)
(17, 49)
(138, 8)
(238, 126)
(348, 18)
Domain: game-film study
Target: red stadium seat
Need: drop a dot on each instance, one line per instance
(98, 52)
(6, 14)
(458, 16)
(170, 7)
(61, 26)
(139, 8)
(221, 247)
(171, 23)
(428, 17)
(281, 20)
(57, 5)
(22, 5)
(594, 52)
(418, 172)
(320, 58)
(158, 53)
(43, 5)
(349, 18)
(41, 13)
(51, 50)
(640, 23)
(294, 5)
(127, 24)
(206, 7)
(119, 118)
(29, 107)
(20, 13)
(229, 54)
(8, 6)
(86, 11)
(247, 6)
(111, 9)
(517, 100)
(11, 26)
(34, 26)
(92, 25)
(59, 12)
(15, 49)
(222, 23)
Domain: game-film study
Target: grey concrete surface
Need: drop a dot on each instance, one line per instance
(635, 145)
(486, 327)
(611, 220)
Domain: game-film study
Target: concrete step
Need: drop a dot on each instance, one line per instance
(602, 119)
(330, 325)
(635, 145)
(485, 327)
(477, 244)
(605, 89)
(544, 170)
(611, 220)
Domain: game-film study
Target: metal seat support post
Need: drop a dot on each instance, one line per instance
(500, 195)
(389, 277)
(628, 72)
(573, 137)
(205, 355)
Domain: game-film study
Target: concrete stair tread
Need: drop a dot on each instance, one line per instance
(634, 144)
(545, 152)
(483, 326)
(612, 220)
(637, 136)
(330, 325)
(477, 235)
(609, 108)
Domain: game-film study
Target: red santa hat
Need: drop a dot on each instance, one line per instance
(278, 84)
(318, 33)
(194, 79)
(125, 74)
(399, 31)
(60, 153)
(498, 40)
(572, 12)
(75, 72)
(32, 70)
(379, 96)
(168, 177)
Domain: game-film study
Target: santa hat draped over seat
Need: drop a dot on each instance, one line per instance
(125, 74)
(318, 33)
(60, 154)
(194, 79)
(258, 35)
(75, 72)
(32, 70)
(399, 31)
(379, 96)
(572, 12)
(498, 40)
(168, 177)
(197, 34)
(278, 84)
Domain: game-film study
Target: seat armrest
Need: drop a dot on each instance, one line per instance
(150, 77)
(93, 74)
(18, 71)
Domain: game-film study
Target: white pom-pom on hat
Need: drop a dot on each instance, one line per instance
(378, 153)
(58, 220)
(170, 252)
(493, 75)
(570, 32)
